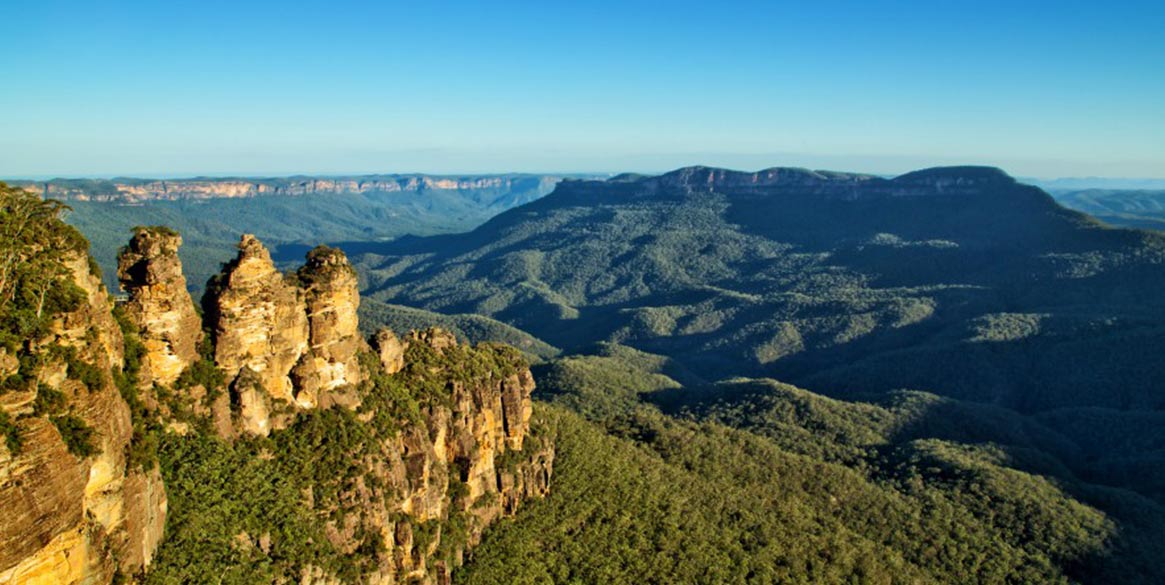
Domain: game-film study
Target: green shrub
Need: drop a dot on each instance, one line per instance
(11, 433)
(77, 435)
(48, 401)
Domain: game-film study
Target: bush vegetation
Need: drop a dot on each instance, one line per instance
(803, 488)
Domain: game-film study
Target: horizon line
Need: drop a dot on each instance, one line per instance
(258, 175)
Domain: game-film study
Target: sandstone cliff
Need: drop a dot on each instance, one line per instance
(259, 322)
(329, 366)
(151, 273)
(435, 484)
(74, 508)
(142, 190)
(394, 460)
(283, 341)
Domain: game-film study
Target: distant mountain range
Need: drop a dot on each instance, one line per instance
(997, 357)
(136, 190)
(1081, 183)
(212, 212)
(959, 281)
(1143, 208)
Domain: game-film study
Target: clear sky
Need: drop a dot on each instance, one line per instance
(167, 88)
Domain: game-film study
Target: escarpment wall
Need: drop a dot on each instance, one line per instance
(451, 445)
(73, 509)
(144, 190)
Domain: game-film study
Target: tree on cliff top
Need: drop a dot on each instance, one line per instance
(33, 245)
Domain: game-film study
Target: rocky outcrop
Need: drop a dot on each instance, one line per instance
(329, 371)
(159, 305)
(442, 432)
(73, 515)
(259, 321)
(286, 342)
(390, 350)
(461, 461)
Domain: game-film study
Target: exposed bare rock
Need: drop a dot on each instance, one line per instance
(41, 493)
(435, 337)
(516, 407)
(145, 518)
(449, 444)
(330, 371)
(390, 350)
(91, 328)
(68, 516)
(151, 273)
(220, 416)
(252, 403)
(70, 557)
(138, 190)
(296, 338)
(259, 322)
(460, 460)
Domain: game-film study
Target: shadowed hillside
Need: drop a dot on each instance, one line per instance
(958, 281)
(1140, 208)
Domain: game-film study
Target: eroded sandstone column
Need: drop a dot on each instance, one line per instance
(260, 323)
(329, 372)
(159, 305)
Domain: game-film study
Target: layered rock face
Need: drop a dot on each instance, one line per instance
(330, 364)
(291, 343)
(72, 517)
(148, 190)
(151, 273)
(447, 443)
(458, 462)
(283, 341)
(260, 327)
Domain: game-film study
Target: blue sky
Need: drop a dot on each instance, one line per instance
(178, 88)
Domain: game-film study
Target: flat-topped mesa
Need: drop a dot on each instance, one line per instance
(159, 305)
(938, 181)
(331, 364)
(714, 178)
(138, 190)
(260, 327)
(968, 175)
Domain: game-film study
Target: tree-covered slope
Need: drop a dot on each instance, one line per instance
(959, 281)
(760, 482)
(471, 328)
(1141, 208)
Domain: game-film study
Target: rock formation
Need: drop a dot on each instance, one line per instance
(159, 304)
(446, 440)
(72, 517)
(390, 350)
(286, 341)
(329, 366)
(138, 190)
(453, 464)
(259, 322)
